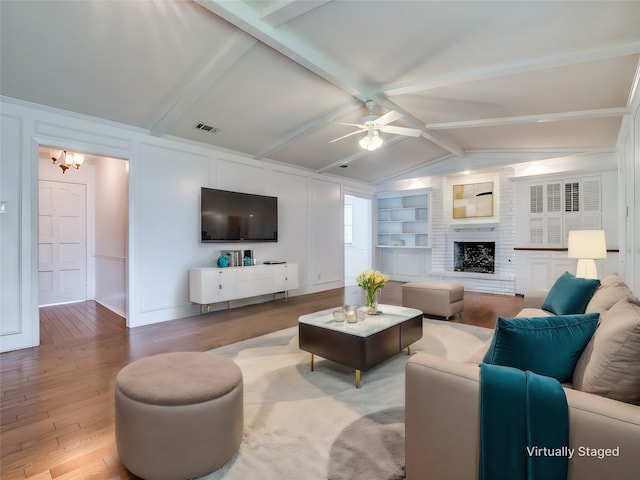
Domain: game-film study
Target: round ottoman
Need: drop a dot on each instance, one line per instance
(178, 415)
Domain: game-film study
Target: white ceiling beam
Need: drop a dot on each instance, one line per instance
(512, 68)
(247, 19)
(228, 55)
(443, 142)
(286, 10)
(540, 118)
(307, 129)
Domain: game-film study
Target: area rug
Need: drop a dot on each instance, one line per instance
(308, 425)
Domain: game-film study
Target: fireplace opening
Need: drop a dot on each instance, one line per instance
(477, 257)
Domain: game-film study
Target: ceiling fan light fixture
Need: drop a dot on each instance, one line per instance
(371, 141)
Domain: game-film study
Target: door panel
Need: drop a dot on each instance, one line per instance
(62, 243)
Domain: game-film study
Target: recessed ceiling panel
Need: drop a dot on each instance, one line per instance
(391, 159)
(258, 101)
(315, 152)
(583, 86)
(395, 41)
(121, 61)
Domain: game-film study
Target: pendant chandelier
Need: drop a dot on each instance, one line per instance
(65, 159)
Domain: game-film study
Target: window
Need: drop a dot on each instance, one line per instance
(572, 197)
(566, 205)
(536, 199)
(553, 197)
(348, 224)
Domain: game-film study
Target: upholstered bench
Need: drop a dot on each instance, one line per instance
(178, 415)
(444, 299)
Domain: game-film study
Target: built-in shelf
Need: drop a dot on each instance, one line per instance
(403, 221)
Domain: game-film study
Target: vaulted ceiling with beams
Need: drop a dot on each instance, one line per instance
(277, 79)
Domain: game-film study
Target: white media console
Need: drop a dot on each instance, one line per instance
(214, 285)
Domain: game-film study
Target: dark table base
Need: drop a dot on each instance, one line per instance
(361, 353)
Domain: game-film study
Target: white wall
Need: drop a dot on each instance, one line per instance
(165, 177)
(111, 219)
(629, 195)
(18, 242)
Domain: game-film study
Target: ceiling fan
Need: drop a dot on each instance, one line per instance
(373, 124)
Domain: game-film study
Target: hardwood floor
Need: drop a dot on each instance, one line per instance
(56, 413)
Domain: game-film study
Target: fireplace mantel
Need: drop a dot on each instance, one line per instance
(474, 227)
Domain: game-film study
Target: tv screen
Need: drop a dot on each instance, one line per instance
(237, 217)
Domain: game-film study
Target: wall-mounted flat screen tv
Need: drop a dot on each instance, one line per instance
(237, 217)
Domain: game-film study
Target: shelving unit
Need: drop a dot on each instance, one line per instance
(403, 221)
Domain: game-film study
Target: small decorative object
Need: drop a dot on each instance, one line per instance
(338, 315)
(371, 282)
(361, 314)
(350, 313)
(223, 261)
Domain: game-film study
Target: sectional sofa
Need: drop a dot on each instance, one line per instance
(442, 414)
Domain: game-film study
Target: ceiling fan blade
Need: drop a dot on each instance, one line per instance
(410, 132)
(359, 125)
(348, 135)
(388, 117)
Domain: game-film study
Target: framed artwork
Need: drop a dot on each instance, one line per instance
(473, 200)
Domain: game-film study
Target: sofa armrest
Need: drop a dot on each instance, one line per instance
(442, 426)
(599, 423)
(534, 298)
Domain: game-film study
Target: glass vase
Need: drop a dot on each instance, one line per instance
(371, 302)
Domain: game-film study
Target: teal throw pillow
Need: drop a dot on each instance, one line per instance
(570, 295)
(548, 346)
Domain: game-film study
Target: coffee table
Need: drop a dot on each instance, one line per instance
(360, 345)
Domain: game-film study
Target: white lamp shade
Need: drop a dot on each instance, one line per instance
(78, 159)
(587, 244)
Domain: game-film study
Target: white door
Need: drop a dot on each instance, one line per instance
(62, 272)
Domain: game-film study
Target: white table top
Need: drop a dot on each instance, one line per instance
(391, 315)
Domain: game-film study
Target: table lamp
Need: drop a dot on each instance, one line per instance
(586, 246)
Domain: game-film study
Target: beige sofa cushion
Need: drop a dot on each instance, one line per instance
(478, 355)
(611, 290)
(609, 365)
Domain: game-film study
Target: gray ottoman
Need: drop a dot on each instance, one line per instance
(443, 299)
(178, 415)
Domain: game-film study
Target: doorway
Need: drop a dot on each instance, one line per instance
(90, 204)
(358, 237)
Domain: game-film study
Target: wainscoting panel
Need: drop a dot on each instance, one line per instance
(407, 265)
(410, 264)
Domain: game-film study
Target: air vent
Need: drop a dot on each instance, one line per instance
(207, 128)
